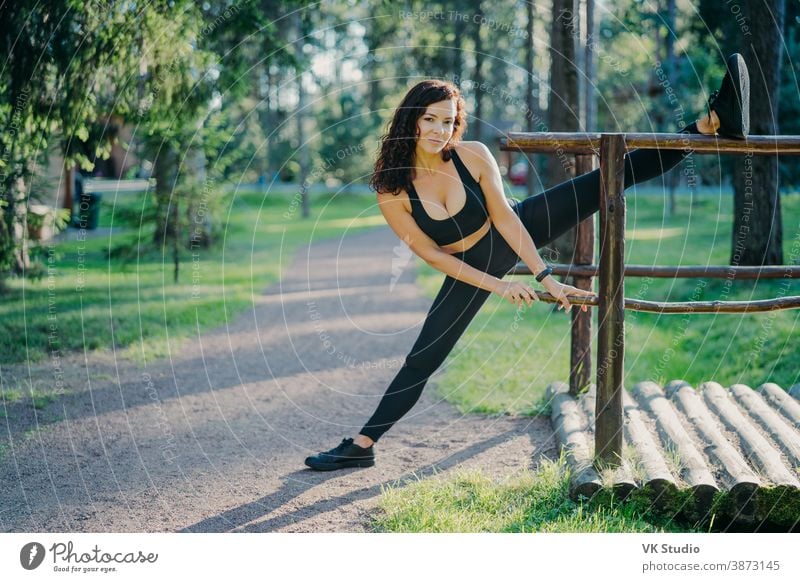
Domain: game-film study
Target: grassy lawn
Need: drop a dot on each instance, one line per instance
(136, 308)
(528, 501)
(507, 357)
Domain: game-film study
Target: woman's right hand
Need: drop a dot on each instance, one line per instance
(516, 292)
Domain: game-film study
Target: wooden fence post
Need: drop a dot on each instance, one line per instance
(581, 353)
(611, 314)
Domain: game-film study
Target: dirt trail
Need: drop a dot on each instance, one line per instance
(213, 438)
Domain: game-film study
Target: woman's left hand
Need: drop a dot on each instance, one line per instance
(560, 292)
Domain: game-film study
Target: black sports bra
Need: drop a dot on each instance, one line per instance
(464, 222)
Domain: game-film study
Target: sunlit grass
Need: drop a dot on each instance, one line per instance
(527, 501)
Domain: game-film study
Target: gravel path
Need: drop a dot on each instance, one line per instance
(213, 438)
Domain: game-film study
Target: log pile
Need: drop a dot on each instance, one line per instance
(727, 454)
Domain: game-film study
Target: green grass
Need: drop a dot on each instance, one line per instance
(37, 396)
(137, 308)
(528, 501)
(507, 357)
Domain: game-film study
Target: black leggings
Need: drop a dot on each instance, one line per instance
(546, 217)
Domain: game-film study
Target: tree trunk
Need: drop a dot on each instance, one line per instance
(302, 148)
(166, 210)
(372, 80)
(563, 111)
(672, 69)
(477, 77)
(757, 231)
(198, 215)
(176, 256)
(22, 260)
(591, 67)
(459, 30)
(14, 255)
(271, 124)
(7, 236)
(6, 243)
(529, 54)
(578, 31)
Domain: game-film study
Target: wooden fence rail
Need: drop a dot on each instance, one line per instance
(672, 272)
(589, 143)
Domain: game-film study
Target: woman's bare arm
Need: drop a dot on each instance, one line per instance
(503, 217)
(407, 230)
(510, 226)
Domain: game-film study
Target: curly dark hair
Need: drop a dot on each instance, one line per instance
(396, 156)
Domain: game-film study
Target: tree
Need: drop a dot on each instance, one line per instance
(789, 113)
(165, 65)
(206, 65)
(590, 67)
(63, 61)
(299, 24)
(672, 67)
(757, 231)
(563, 109)
(531, 90)
(477, 75)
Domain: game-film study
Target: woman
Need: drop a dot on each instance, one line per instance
(445, 199)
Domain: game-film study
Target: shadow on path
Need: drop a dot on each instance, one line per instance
(242, 517)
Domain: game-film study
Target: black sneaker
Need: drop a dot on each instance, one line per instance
(345, 455)
(732, 100)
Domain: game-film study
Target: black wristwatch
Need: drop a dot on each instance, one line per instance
(544, 274)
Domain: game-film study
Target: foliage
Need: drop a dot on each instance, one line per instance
(71, 64)
(58, 56)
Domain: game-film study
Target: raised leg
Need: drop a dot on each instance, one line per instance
(553, 212)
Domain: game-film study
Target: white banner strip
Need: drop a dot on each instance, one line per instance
(399, 557)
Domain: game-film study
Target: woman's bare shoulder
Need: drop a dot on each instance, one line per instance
(475, 149)
(476, 156)
(401, 195)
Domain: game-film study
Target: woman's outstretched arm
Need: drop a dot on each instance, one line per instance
(510, 226)
(503, 217)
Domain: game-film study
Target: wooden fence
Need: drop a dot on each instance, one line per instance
(611, 303)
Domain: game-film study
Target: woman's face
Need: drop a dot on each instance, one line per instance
(435, 126)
